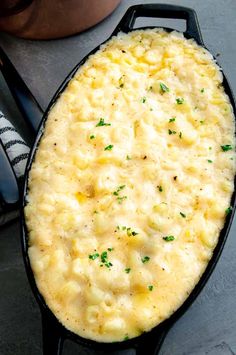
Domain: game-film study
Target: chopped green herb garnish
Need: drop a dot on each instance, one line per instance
(202, 90)
(201, 122)
(145, 259)
(110, 249)
(109, 147)
(124, 228)
(160, 188)
(172, 119)
(95, 211)
(121, 199)
(108, 264)
(226, 147)
(182, 214)
(169, 238)
(127, 270)
(179, 101)
(143, 99)
(104, 257)
(121, 187)
(126, 337)
(102, 123)
(164, 88)
(92, 136)
(93, 256)
(171, 132)
(228, 210)
(121, 81)
(128, 157)
(210, 161)
(180, 135)
(210, 148)
(131, 233)
(150, 287)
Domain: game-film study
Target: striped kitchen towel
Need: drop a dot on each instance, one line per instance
(17, 151)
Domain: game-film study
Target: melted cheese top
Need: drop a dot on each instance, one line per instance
(130, 185)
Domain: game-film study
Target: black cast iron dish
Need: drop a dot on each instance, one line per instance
(55, 333)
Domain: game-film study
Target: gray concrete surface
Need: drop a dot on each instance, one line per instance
(209, 326)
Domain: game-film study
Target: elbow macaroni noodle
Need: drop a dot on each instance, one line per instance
(130, 184)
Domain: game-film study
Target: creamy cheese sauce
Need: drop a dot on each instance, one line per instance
(131, 184)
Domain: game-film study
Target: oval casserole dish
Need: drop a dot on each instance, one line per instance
(131, 185)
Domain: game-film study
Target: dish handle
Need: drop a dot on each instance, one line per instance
(52, 335)
(161, 11)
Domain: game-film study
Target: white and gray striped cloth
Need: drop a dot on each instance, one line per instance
(17, 151)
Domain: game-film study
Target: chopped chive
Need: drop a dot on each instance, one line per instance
(93, 256)
(145, 259)
(202, 90)
(169, 238)
(121, 187)
(131, 233)
(121, 199)
(172, 119)
(92, 136)
(180, 135)
(179, 101)
(128, 157)
(164, 88)
(102, 123)
(150, 287)
(210, 161)
(171, 132)
(201, 122)
(182, 214)
(126, 337)
(226, 147)
(109, 147)
(160, 188)
(143, 99)
(110, 249)
(127, 270)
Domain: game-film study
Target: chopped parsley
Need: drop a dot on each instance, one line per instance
(201, 122)
(92, 136)
(121, 82)
(182, 214)
(228, 210)
(127, 270)
(93, 256)
(172, 119)
(160, 188)
(121, 199)
(130, 232)
(121, 187)
(210, 161)
(110, 249)
(109, 147)
(169, 238)
(128, 157)
(180, 135)
(226, 147)
(102, 123)
(164, 88)
(202, 90)
(104, 260)
(150, 287)
(145, 259)
(126, 337)
(143, 99)
(179, 101)
(171, 132)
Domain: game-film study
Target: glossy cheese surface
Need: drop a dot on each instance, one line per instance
(131, 185)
